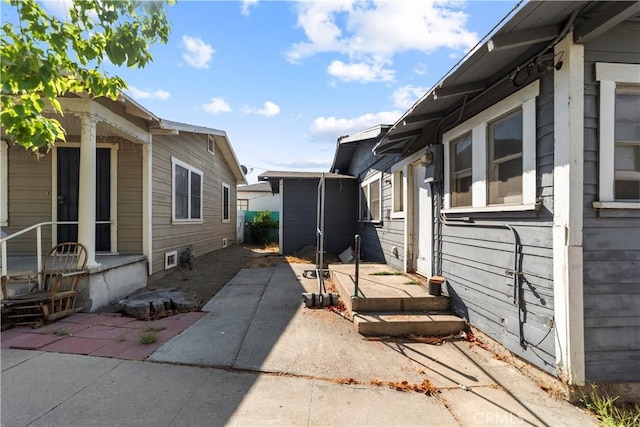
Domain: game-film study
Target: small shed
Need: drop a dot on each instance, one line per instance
(299, 209)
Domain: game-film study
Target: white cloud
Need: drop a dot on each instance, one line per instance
(246, 6)
(420, 69)
(405, 96)
(148, 93)
(333, 127)
(360, 72)
(373, 32)
(217, 106)
(270, 110)
(198, 53)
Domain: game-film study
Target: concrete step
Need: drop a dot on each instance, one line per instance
(400, 304)
(398, 324)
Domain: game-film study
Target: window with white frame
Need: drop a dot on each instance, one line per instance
(243, 204)
(397, 188)
(371, 199)
(226, 202)
(619, 165)
(187, 191)
(490, 159)
(461, 171)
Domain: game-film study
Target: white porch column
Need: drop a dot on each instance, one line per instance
(87, 188)
(568, 178)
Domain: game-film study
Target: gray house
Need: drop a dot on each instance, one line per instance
(299, 209)
(517, 177)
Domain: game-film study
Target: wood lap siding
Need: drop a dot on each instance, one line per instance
(30, 187)
(129, 198)
(206, 237)
(475, 258)
(611, 240)
(378, 240)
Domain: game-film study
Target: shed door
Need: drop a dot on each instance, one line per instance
(422, 221)
(68, 185)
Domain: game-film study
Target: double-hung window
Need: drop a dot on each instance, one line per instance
(187, 192)
(490, 159)
(397, 190)
(371, 199)
(619, 163)
(461, 171)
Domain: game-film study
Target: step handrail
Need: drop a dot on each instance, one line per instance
(38, 228)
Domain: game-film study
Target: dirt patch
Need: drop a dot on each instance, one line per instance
(212, 271)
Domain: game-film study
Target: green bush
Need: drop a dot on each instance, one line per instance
(260, 226)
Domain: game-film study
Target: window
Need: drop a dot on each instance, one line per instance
(243, 204)
(490, 159)
(226, 201)
(461, 171)
(505, 159)
(397, 188)
(370, 199)
(619, 162)
(187, 192)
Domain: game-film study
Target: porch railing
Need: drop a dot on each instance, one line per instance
(38, 228)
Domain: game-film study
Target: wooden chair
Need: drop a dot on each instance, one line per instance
(60, 274)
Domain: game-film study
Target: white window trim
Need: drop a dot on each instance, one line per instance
(394, 170)
(170, 259)
(367, 183)
(228, 187)
(176, 162)
(4, 184)
(609, 75)
(477, 125)
(403, 165)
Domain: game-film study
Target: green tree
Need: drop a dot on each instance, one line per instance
(44, 57)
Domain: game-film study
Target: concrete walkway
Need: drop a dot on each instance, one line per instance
(259, 357)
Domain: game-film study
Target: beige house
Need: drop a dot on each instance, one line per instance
(135, 189)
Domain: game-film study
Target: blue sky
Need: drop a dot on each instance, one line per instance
(286, 79)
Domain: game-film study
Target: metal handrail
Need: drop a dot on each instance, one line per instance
(38, 228)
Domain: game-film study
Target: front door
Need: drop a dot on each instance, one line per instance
(422, 221)
(68, 193)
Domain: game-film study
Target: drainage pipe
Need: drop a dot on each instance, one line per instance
(357, 256)
(516, 272)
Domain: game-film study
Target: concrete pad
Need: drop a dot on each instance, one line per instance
(334, 405)
(132, 393)
(32, 341)
(284, 336)
(252, 276)
(10, 357)
(215, 339)
(497, 407)
(445, 365)
(38, 385)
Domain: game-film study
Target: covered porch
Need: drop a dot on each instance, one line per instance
(94, 189)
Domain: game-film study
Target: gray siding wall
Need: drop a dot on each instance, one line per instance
(378, 240)
(475, 258)
(299, 214)
(611, 239)
(206, 237)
